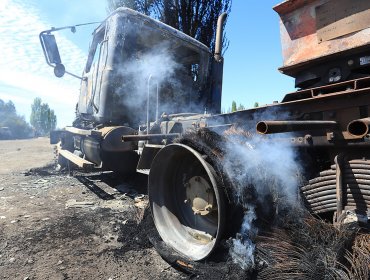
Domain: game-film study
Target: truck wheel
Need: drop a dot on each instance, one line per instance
(187, 205)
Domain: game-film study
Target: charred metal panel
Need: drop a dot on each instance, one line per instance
(343, 17)
(146, 159)
(311, 30)
(217, 74)
(91, 149)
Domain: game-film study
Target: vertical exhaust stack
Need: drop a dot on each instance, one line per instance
(219, 41)
(217, 68)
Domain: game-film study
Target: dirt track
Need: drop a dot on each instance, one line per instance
(18, 155)
(55, 226)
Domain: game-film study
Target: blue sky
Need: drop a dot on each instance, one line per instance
(250, 70)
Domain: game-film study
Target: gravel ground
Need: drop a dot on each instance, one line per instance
(86, 226)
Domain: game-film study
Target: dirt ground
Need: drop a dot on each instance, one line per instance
(86, 226)
(18, 155)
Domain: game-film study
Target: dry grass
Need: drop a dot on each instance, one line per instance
(308, 248)
(359, 258)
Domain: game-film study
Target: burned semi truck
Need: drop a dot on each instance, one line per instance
(146, 86)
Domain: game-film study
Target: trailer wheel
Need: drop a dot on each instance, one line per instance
(187, 205)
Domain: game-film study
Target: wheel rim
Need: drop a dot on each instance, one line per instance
(187, 207)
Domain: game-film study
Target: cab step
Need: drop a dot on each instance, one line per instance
(80, 162)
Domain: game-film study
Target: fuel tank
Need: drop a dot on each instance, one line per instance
(108, 150)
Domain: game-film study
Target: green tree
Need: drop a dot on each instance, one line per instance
(12, 125)
(233, 107)
(43, 119)
(196, 18)
(256, 104)
(9, 107)
(241, 107)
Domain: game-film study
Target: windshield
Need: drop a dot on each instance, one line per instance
(154, 65)
(94, 49)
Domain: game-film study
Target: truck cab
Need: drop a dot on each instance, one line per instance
(141, 77)
(139, 68)
(145, 84)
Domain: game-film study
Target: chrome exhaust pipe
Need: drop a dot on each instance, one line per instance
(359, 128)
(218, 45)
(269, 127)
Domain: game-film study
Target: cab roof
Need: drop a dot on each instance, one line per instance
(126, 12)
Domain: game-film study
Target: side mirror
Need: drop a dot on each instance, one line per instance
(51, 52)
(50, 48)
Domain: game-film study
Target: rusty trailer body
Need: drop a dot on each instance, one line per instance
(320, 35)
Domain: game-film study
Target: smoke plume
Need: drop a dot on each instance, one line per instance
(157, 72)
(242, 246)
(264, 174)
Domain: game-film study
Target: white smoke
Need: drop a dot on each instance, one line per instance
(265, 173)
(242, 248)
(152, 69)
(151, 61)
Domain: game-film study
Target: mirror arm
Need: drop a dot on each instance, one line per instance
(78, 77)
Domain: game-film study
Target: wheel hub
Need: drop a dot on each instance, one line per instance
(200, 196)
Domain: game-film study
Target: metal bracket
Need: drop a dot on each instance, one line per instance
(339, 186)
